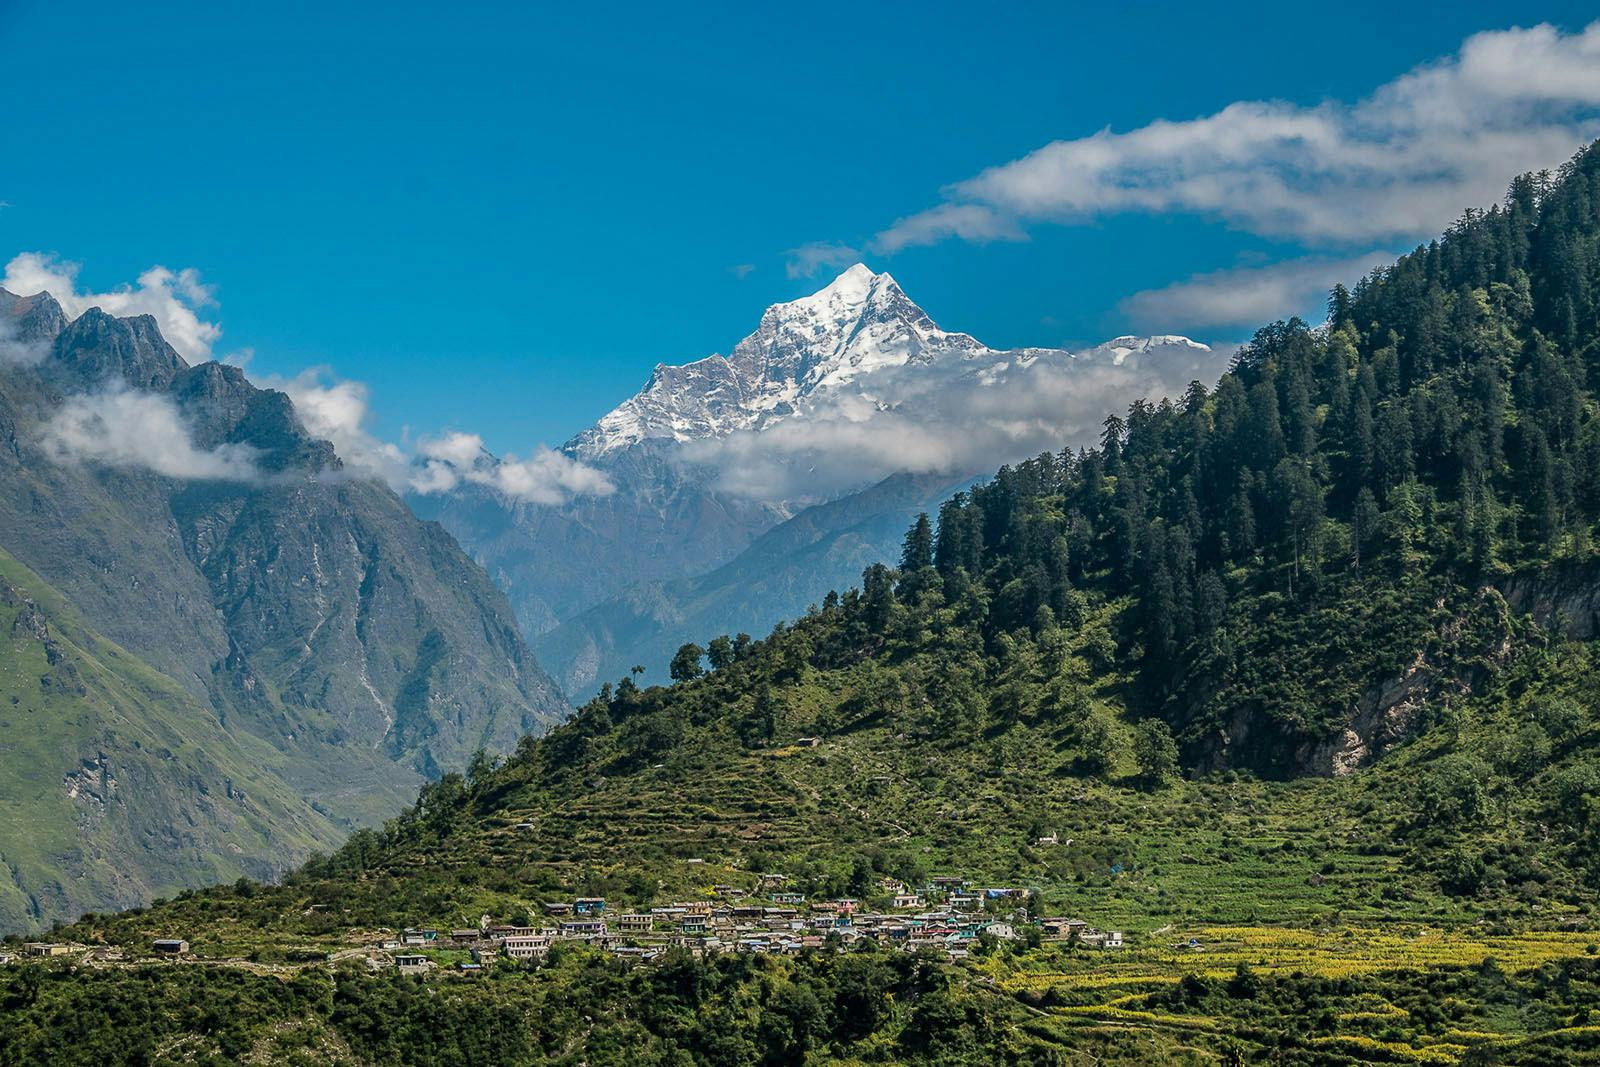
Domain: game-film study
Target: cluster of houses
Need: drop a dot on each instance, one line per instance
(948, 915)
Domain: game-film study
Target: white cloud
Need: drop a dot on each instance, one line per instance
(172, 297)
(139, 430)
(966, 426)
(544, 477)
(977, 223)
(1403, 162)
(1248, 296)
(340, 412)
(15, 353)
(742, 270)
(806, 260)
(456, 448)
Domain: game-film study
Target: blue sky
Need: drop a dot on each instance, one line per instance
(501, 218)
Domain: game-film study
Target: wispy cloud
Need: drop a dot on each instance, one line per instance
(805, 261)
(17, 353)
(1402, 162)
(978, 223)
(139, 430)
(742, 270)
(1248, 296)
(340, 411)
(174, 298)
(965, 426)
(544, 477)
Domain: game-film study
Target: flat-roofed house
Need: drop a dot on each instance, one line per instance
(41, 948)
(527, 946)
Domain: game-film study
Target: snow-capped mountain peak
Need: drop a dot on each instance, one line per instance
(848, 339)
(1120, 348)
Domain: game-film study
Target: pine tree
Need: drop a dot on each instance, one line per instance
(1364, 517)
(917, 552)
(1339, 307)
(1240, 532)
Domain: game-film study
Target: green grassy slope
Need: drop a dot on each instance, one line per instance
(98, 750)
(883, 795)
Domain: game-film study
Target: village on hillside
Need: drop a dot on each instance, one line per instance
(948, 915)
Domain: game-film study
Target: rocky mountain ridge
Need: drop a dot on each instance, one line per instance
(307, 609)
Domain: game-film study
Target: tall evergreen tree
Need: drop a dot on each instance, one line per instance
(917, 551)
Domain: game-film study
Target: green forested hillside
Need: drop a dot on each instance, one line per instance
(1291, 678)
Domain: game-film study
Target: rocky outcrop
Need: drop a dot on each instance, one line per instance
(96, 349)
(1385, 715)
(1564, 598)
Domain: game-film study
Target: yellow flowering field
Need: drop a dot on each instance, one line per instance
(1333, 953)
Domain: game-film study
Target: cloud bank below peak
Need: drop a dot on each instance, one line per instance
(544, 477)
(131, 429)
(965, 426)
(1402, 162)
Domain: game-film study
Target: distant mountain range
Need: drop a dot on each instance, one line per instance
(724, 517)
(226, 651)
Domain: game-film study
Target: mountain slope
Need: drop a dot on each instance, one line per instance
(553, 562)
(777, 577)
(116, 785)
(188, 516)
